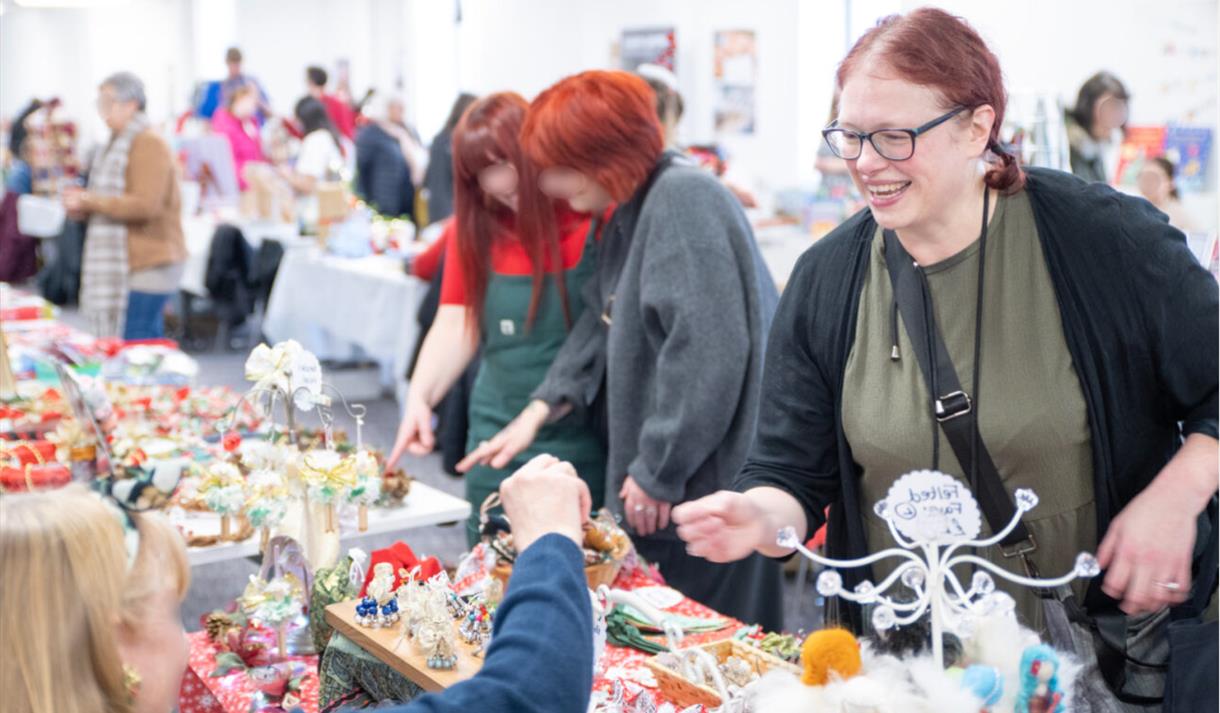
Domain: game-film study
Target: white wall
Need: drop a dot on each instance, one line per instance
(525, 45)
(67, 52)
(555, 38)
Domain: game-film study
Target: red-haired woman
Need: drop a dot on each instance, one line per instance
(669, 349)
(1079, 339)
(514, 258)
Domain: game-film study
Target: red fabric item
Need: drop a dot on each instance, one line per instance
(509, 258)
(818, 539)
(425, 264)
(18, 314)
(201, 692)
(42, 477)
(402, 557)
(291, 127)
(342, 114)
(32, 452)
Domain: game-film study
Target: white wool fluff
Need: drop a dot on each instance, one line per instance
(913, 685)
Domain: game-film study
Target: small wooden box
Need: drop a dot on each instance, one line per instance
(683, 692)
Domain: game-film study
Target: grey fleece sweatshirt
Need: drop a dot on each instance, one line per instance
(689, 301)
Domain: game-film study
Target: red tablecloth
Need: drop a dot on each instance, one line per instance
(627, 665)
(233, 692)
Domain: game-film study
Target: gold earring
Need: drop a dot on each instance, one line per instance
(131, 680)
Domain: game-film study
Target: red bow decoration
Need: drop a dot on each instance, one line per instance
(403, 558)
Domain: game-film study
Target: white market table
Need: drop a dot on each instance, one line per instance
(199, 229)
(424, 506)
(345, 308)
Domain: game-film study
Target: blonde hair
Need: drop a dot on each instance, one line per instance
(65, 589)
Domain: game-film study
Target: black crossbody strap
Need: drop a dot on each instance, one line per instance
(952, 406)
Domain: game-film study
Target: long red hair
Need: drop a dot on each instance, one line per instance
(934, 49)
(488, 134)
(603, 124)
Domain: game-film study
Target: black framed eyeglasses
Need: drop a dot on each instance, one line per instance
(891, 144)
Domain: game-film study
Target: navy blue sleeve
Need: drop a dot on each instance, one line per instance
(541, 653)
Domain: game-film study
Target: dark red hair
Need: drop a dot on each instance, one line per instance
(934, 49)
(603, 124)
(487, 134)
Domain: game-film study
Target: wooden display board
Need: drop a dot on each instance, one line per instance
(403, 659)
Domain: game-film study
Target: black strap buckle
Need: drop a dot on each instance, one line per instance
(1023, 549)
(952, 405)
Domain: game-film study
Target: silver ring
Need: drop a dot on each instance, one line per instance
(1171, 586)
(638, 508)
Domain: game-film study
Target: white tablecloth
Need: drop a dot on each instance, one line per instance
(345, 308)
(423, 506)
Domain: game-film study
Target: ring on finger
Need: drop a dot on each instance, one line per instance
(1171, 586)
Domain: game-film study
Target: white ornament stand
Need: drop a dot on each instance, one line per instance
(932, 514)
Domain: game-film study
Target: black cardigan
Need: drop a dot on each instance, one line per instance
(1140, 320)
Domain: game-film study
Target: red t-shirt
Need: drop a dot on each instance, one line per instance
(508, 257)
(342, 114)
(424, 265)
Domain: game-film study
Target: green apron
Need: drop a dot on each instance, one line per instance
(514, 362)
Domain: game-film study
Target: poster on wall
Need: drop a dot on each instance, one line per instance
(736, 71)
(651, 45)
(1188, 147)
(1140, 144)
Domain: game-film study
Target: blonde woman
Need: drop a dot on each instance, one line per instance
(85, 625)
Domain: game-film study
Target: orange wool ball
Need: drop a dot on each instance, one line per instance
(829, 651)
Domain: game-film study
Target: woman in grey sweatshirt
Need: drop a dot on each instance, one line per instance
(668, 352)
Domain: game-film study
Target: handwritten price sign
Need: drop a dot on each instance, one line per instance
(932, 508)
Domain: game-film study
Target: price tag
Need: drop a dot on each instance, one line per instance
(931, 507)
(306, 381)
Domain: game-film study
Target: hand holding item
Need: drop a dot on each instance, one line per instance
(505, 445)
(545, 496)
(644, 513)
(722, 527)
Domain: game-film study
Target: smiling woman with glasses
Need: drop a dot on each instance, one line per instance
(1013, 329)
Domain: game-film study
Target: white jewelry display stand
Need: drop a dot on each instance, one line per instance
(933, 517)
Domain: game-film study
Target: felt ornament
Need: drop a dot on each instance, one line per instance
(829, 652)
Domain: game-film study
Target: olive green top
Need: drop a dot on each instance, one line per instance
(1031, 409)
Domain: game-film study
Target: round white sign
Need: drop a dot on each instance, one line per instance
(930, 507)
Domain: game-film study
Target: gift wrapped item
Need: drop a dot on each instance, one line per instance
(15, 479)
(30, 452)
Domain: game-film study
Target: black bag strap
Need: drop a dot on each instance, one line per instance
(953, 407)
